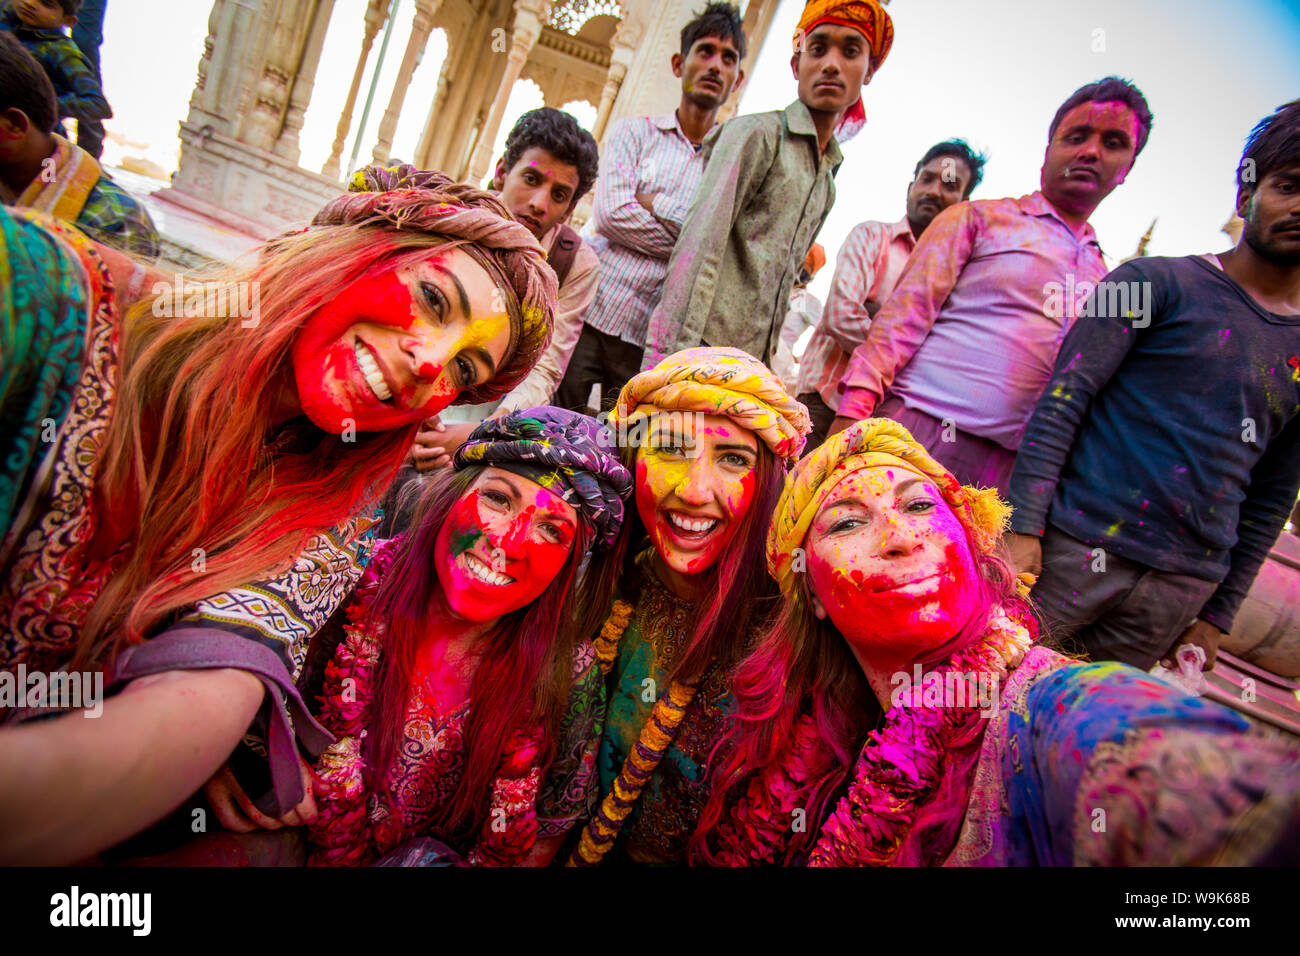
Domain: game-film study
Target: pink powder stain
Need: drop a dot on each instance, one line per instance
(696, 488)
(503, 543)
(897, 576)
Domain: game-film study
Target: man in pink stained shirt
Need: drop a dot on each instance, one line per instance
(965, 345)
(866, 271)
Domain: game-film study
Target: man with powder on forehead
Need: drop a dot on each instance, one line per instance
(964, 346)
(768, 186)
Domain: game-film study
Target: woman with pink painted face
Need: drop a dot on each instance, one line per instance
(902, 711)
(708, 434)
(464, 708)
(189, 493)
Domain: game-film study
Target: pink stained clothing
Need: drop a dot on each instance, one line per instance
(356, 827)
(652, 156)
(866, 271)
(973, 327)
(576, 295)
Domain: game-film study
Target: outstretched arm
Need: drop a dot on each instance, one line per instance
(71, 787)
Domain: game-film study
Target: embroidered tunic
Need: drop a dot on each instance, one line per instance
(663, 821)
(1083, 765)
(356, 827)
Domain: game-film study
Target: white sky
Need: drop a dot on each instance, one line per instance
(992, 72)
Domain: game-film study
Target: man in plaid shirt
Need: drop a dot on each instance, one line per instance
(649, 169)
(38, 25)
(866, 269)
(41, 170)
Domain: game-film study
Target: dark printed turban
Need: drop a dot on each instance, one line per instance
(403, 197)
(571, 455)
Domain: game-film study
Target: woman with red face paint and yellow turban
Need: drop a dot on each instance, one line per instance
(902, 711)
(187, 485)
(708, 434)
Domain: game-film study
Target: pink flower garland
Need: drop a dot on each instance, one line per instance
(902, 765)
(340, 835)
(758, 827)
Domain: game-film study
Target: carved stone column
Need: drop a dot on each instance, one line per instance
(376, 14)
(264, 121)
(624, 45)
(529, 17)
(303, 82)
(420, 27)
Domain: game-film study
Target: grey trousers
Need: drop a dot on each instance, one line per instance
(1110, 608)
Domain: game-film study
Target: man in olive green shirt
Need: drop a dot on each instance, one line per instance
(767, 188)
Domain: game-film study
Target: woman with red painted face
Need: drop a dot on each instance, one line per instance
(900, 711)
(466, 712)
(708, 434)
(189, 487)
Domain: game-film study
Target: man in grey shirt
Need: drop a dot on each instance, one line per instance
(766, 191)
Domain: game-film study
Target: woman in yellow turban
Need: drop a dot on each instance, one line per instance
(708, 434)
(899, 712)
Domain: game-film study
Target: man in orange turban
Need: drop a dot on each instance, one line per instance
(867, 17)
(768, 186)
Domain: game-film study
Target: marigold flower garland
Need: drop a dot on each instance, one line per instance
(902, 764)
(340, 835)
(656, 737)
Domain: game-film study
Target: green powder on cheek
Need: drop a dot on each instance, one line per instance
(462, 541)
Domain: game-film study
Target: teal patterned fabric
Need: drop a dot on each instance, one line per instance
(44, 302)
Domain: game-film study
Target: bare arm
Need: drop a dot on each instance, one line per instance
(71, 786)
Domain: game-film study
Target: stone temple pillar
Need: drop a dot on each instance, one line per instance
(376, 14)
(238, 163)
(624, 47)
(420, 27)
(529, 17)
(286, 144)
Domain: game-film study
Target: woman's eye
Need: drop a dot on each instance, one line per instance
(736, 460)
(844, 524)
(551, 533)
(496, 499)
(919, 506)
(437, 301)
(465, 373)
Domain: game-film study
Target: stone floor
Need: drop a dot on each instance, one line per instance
(191, 241)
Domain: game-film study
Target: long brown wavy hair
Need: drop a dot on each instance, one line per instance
(189, 494)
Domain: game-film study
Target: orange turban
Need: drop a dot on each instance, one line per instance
(815, 259)
(870, 19)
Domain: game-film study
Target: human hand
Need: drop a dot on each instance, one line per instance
(647, 202)
(841, 422)
(1025, 551)
(1204, 635)
(436, 442)
(236, 812)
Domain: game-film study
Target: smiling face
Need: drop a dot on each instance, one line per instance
(393, 348)
(890, 564)
(1091, 152)
(538, 189)
(694, 483)
(709, 71)
(502, 545)
(940, 183)
(832, 67)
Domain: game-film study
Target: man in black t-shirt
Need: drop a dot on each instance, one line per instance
(1163, 458)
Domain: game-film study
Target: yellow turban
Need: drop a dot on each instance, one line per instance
(718, 381)
(869, 17)
(866, 444)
